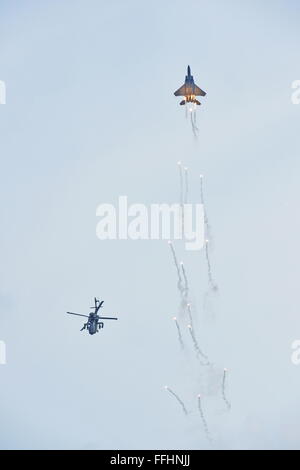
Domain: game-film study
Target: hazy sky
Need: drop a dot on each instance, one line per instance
(90, 115)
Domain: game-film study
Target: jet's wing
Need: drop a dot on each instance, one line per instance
(181, 91)
(198, 91)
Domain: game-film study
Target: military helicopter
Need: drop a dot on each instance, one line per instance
(94, 323)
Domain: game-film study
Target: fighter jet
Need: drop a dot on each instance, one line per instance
(189, 90)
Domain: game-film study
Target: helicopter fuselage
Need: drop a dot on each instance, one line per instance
(93, 324)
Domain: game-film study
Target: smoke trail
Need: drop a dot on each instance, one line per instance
(179, 283)
(193, 122)
(212, 283)
(181, 182)
(186, 284)
(228, 404)
(189, 310)
(208, 233)
(177, 398)
(208, 236)
(205, 425)
(179, 333)
(182, 283)
(186, 182)
(197, 348)
(185, 290)
(181, 197)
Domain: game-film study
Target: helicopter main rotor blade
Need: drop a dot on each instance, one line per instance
(99, 306)
(108, 318)
(78, 314)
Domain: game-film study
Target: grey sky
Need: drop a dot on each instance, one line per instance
(90, 115)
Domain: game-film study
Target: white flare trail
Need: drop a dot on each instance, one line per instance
(168, 389)
(199, 352)
(227, 403)
(211, 281)
(179, 333)
(204, 422)
(179, 282)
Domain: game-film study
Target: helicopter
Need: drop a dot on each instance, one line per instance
(94, 323)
